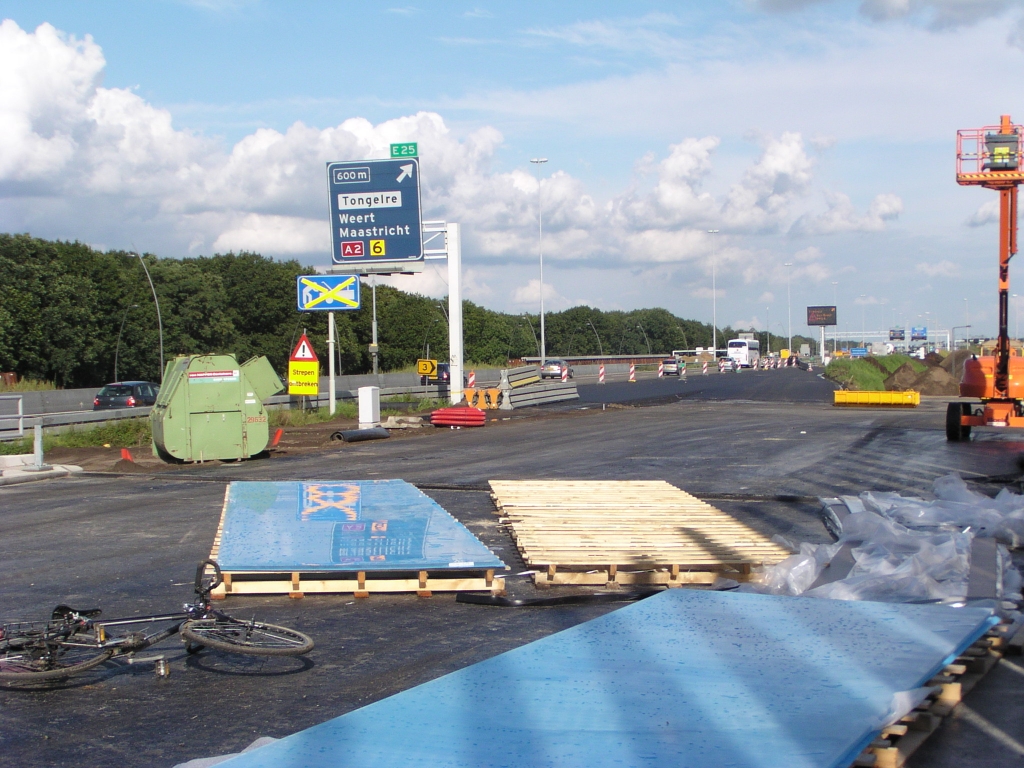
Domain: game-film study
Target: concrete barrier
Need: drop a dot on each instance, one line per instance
(513, 378)
(539, 394)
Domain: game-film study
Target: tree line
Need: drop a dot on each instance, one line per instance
(69, 311)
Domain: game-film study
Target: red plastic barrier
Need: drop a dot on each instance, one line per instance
(458, 417)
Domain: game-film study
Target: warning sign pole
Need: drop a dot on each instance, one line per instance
(330, 364)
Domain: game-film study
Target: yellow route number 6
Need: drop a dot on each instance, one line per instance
(377, 248)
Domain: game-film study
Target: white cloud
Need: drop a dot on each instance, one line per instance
(841, 216)
(940, 269)
(283, 235)
(529, 296)
(766, 298)
(985, 214)
(754, 322)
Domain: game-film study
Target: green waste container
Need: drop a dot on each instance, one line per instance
(210, 407)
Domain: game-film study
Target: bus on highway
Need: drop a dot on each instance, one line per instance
(745, 353)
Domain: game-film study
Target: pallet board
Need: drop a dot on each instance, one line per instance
(684, 678)
(358, 536)
(626, 532)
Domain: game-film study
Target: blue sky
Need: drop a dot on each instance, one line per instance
(817, 134)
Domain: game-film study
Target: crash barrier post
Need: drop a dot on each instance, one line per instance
(661, 370)
(632, 373)
(471, 382)
(511, 378)
(600, 374)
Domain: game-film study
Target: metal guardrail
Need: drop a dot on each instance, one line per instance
(16, 432)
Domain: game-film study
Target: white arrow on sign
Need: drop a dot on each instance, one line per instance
(406, 171)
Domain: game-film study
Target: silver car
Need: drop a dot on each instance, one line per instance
(552, 369)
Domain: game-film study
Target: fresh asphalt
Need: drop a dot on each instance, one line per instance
(130, 544)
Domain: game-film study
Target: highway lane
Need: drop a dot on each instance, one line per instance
(129, 544)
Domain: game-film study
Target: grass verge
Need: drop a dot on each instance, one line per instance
(868, 374)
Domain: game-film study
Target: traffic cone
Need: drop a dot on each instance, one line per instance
(661, 370)
(632, 373)
(600, 374)
(704, 371)
(472, 380)
(565, 373)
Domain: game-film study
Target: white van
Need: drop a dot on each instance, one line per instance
(745, 353)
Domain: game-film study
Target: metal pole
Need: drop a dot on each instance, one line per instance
(600, 348)
(330, 367)
(454, 247)
(640, 326)
(159, 320)
(789, 304)
(768, 328)
(714, 298)
(540, 246)
(374, 339)
(117, 349)
(835, 328)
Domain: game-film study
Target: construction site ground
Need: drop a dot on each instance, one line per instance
(761, 448)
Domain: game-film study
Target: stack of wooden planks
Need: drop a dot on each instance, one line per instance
(626, 532)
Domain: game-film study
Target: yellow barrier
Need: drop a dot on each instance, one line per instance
(908, 399)
(486, 399)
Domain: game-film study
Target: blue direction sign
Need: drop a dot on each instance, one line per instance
(918, 334)
(859, 352)
(328, 293)
(375, 211)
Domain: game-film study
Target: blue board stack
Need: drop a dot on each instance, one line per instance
(327, 536)
(685, 678)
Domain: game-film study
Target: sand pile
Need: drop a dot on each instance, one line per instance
(902, 378)
(936, 381)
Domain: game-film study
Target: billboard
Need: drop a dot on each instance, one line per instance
(919, 334)
(897, 334)
(821, 315)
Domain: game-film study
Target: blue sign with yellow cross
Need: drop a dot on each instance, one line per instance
(328, 293)
(375, 211)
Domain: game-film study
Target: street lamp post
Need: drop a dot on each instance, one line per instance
(768, 329)
(863, 322)
(640, 326)
(789, 303)
(538, 161)
(600, 348)
(835, 331)
(159, 320)
(714, 298)
(117, 349)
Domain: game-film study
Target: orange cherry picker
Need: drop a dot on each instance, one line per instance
(991, 157)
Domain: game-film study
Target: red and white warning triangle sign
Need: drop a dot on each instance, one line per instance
(303, 351)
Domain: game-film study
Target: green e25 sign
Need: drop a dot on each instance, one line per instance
(409, 149)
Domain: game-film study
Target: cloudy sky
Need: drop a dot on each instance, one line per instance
(815, 134)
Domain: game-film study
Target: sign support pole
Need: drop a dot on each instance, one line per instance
(821, 347)
(330, 365)
(375, 347)
(454, 246)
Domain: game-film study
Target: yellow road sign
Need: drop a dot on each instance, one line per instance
(426, 367)
(378, 248)
(328, 292)
(303, 377)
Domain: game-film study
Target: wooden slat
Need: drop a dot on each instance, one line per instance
(607, 524)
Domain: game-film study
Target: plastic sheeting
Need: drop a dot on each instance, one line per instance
(956, 507)
(907, 549)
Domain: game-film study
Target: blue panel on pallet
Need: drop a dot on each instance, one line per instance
(685, 678)
(366, 525)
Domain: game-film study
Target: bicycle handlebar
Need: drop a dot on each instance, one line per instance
(217, 578)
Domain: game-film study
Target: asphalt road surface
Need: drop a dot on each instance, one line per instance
(130, 544)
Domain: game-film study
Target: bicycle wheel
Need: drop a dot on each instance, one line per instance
(252, 638)
(36, 656)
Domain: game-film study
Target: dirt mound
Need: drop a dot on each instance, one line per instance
(902, 378)
(936, 381)
(124, 465)
(933, 360)
(955, 360)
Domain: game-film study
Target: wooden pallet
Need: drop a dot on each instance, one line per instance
(626, 532)
(896, 743)
(297, 584)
